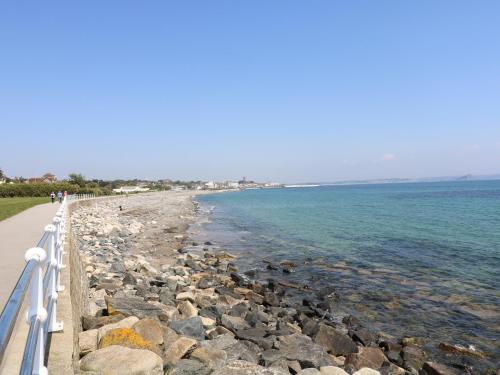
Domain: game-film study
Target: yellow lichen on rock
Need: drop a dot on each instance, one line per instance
(126, 337)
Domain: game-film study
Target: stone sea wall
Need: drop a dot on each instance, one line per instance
(152, 302)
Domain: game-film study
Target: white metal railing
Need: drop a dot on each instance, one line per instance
(41, 276)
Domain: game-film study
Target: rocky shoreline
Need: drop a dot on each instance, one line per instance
(160, 304)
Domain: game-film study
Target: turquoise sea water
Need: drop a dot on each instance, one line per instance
(411, 260)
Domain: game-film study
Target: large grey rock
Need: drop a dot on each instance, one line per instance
(234, 323)
(178, 349)
(211, 357)
(301, 348)
(119, 360)
(247, 368)
(134, 306)
(190, 367)
(192, 327)
(334, 341)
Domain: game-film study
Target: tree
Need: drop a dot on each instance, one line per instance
(2, 175)
(77, 179)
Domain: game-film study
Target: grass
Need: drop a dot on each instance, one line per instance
(11, 206)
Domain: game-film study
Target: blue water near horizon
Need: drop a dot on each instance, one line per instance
(410, 259)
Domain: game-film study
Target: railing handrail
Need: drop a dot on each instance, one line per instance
(41, 276)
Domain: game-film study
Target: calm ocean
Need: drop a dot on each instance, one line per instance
(411, 260)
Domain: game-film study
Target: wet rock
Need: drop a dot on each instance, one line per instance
(351, 321)
(271, 299)
(120, 360)
(87, 341)
(413, 357)
(334, 341)
(240, 279)
(192, 327)
(366, 357)
(363, 336)
(301, 348)
(178, 349)
(460, 350)
(433, 368)
(247, 368)
(150, 329)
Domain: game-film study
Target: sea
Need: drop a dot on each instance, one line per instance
(418, 260)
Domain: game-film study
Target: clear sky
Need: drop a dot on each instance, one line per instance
(287, 90)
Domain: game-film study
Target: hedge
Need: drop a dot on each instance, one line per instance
(42, 190)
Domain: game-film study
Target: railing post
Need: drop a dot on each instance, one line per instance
(36, 310)
(58, 253)
(54, 325)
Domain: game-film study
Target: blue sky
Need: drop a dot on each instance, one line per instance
(286, 90)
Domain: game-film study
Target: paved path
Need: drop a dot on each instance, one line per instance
(17, 234)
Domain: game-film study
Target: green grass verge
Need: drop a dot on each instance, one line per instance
(11, 206)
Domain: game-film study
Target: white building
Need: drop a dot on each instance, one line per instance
(131, 189)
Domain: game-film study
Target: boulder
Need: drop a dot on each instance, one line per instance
(150, 329)
(133, 306)
(192, 327)
(126, 337)
(87, 341)
(178, 349)
(247, 368)
(124, 323)
(190, 367)
(309, 371)
(366, 371)
(120, 360)
(301, 348)
(187, 310)
(334, 341)
(234, 323)
(91, 322)
(332, 370)
(366, 357)
(211, 357)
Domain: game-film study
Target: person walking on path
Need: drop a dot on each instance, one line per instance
(59, 196)
(52, 197)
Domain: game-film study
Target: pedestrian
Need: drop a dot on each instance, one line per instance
(52, 197)
(59, 195)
